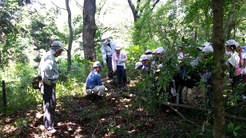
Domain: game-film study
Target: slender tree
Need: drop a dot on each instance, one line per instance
(70, 41)
(136, 11)
(218, 43)
(89, 29)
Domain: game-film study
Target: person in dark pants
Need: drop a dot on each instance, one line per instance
(118, 61)
(108, 48)
(49, 73)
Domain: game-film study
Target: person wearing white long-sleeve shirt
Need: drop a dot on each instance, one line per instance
(49, 73)
(108, 48)
(119, 66)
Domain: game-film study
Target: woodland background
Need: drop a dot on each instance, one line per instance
(28, 27)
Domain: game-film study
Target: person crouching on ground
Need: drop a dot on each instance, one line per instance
(118, 61)
(94, 86)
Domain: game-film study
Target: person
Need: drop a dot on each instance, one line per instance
(242, 55)
(94, 86)
(139, 65)
(200, 68)
(49, 73)
(234, 62)
(108, 48)
(148, 52)
(118, 62)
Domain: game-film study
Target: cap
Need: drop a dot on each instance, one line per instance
(144, 57)
(207, 48)
(237, 44)
(57, 45)
(104, 39)
(97, 64)
(160, 50)
(231, 42)
(117, 48)
(138, 64)
(148, 51)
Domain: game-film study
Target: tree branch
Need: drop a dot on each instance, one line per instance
(81, 7)
(171, 105)
(240, 104)
(57, 6)
(187, 119)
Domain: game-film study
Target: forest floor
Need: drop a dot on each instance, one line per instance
(79, 116)
(112, 116)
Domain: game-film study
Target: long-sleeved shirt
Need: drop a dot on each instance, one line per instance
(118, 60)
(93, 80)
(107, 50)
(48, 68)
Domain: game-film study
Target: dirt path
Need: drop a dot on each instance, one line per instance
(76, 116)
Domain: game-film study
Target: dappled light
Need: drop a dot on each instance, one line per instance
(122, 69)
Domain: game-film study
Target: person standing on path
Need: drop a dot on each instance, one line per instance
(108, 48)
(118, 61)
(49, 73)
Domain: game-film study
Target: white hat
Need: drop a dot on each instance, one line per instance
(237, 44)
(138, 64)
(97, 64)
(150, 56)
(104, 39)
(57, 45)
(231, 42)
(117, 48)
(148, 51)
(144, 57)
(155, 51)
(207, 48)
(160, 50)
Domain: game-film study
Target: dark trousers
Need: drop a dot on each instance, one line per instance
(109, 65)
(236, 80)
(49, 104)
(121, 75)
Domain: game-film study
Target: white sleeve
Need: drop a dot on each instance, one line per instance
(103, 53)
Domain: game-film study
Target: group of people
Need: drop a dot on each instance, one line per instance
(150, 63)
(113, 57)
(115, 60)
(192, 82)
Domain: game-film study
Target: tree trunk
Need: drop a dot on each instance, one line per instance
(218, 75)
(70, 42)
(133, 9)
(89, 29)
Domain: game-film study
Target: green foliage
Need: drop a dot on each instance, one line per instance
(19, 92)
(233, 129)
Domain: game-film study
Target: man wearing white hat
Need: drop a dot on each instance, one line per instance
(49, 73)
(108, 48)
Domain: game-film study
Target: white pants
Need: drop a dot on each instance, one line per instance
(99, 90)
